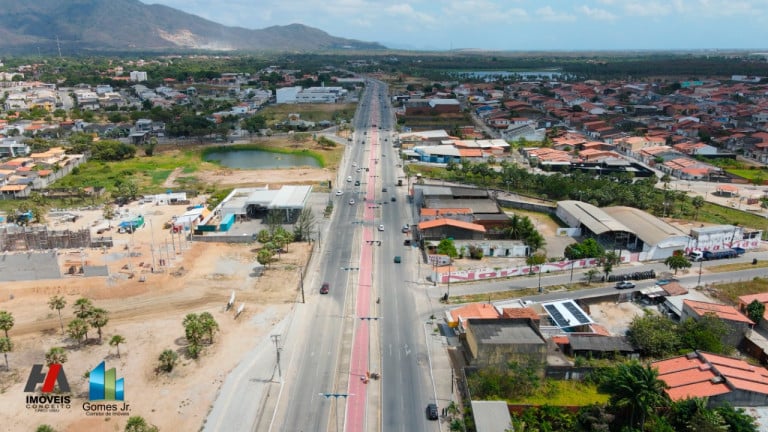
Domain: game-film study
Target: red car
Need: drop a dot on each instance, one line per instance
(324, 289)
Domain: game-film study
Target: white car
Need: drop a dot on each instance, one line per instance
(381, 227)
(351, 202)
(354, 164)
(349, 178)
(339, 193)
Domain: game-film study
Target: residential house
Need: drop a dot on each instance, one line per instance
(718, 379)
(439, 229)
(496, 342)
(738, 324)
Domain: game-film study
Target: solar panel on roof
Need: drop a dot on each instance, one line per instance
(557, 316)
(576, 313)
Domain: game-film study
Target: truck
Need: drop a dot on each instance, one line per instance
(715, 255)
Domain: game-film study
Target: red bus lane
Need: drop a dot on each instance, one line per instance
(358, 380)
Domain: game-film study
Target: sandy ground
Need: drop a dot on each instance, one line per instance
(148, 313)
(230, 177)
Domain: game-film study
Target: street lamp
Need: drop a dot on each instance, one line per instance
(336, 397)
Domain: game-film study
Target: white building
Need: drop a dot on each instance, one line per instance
(287, 94)
(138, 76)
(321, 95)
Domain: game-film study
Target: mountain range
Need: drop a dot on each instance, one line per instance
(82, 26)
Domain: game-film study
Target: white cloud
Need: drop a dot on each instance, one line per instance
(650, 8)
(548, 14)
(480, 12)
(598, 14)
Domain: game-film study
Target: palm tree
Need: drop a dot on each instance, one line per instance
(98, 319)
(115, 342)
(58, 303)
(6, 322)
(138, 424)
(209, 325)
(636, 388)
(83, 308)
(77, 329)
(698, 203)
(6, 346)
(55, 355)
(168, 360)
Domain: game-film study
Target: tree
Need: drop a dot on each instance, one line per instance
(737, 419)
(83, 309)
(447, 247)
(590, 274)
(264, 256)
(654, 335)
(305, 225)
(263, 236)
(55, 355)
(168, 359)
(704, 334)
(6, 321)
(209, 325)
(58, 303)
(116, 341)
(6, 346)
(755, 311)
(589, 248)
(108, 212)
(45, 428)
(697, 202)
(98, 319)
(636, 388)
(77, 329)
(677, 261)
(138, 424)
(609, 260)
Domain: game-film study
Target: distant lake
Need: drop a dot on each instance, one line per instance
(260, 159)
(493, 75)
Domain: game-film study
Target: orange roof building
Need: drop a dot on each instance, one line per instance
(738, 324)
(473, 310)
(718, 378)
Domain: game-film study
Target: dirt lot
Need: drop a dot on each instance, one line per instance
(148, 313)
(247, 178)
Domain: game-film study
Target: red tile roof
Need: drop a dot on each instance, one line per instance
(723, 312)
(452, 222)
(445, 211)
(704, 374)
(520, 313)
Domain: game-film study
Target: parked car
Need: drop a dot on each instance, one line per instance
(325, 288)
(406, 228)
(432, 411)
(625, 285)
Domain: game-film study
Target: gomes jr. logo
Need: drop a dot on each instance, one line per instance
(103, 385)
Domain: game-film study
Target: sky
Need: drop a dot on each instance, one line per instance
(513, 25)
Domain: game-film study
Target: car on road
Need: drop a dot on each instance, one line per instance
(339, 193)
(349, 178)
(625, 285)
(393, 199)
(325, 288)
(354, 164)
(357, 182)
(432, 411)
(383, 189)
(406, 228)
(381, 227)
(397, 259)
(351, 202)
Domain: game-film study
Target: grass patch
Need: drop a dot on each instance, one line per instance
(565, 393)
(730, 292)
(723, 268)
(749, 174)
(518, 293)
(149, 172)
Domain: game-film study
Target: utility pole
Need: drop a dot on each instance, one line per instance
(276, 340)
(700, 264)
(301, 284)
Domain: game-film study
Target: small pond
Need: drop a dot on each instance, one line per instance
(260, 159)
